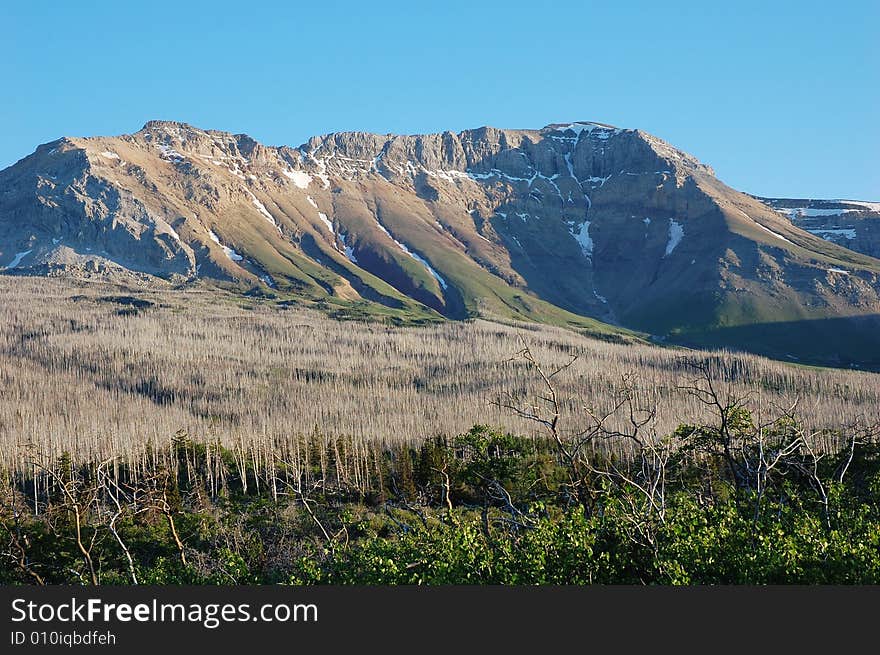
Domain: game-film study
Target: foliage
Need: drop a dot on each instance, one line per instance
(483, 508)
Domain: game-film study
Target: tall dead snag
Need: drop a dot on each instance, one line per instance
(447, 491)
(165, 508)
(158, 487)
(122, 503)
(809, 466)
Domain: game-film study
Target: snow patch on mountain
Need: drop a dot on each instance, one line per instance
(167, 229)
(776, 234)
(322, 170)
(415, 256)
(825, 233)
(349, 250)
(170, 153)
(265, 212)
(676, 234)
(424, 263)
(871, 206)
(448, 175)
(764, 227)
(299, 178)
(582, 236)
(326, 221)
(17, 259)
(569, 166)
(810, 212)
(234, 256)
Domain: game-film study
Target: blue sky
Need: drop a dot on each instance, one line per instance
(780, 99)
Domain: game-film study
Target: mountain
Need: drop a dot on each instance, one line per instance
(853, 224)
(579, 224)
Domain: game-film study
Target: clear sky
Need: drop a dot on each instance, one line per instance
(781, 98)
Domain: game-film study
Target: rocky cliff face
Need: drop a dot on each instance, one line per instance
(853, 224)
(578, 219)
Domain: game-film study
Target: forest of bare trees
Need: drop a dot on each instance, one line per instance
(95, 372)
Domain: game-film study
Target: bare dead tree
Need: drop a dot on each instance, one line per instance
(641, 481)
(758, 455)
(447, 489)
(123, 503)
(548, 416)
(157, 487)
(809, 465)
(772, 447)
(516, 519)
(727, 406)
(296, 487)
(79, 499)
(19, 544)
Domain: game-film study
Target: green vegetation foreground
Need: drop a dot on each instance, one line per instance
(729, 501)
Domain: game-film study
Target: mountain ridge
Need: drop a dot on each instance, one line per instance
(853, 224)
(572, 223)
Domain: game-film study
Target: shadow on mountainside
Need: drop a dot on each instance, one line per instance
(843, 342)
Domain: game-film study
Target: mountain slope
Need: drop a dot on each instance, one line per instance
(572, 224)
